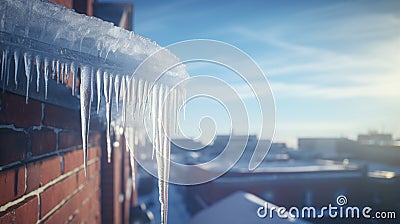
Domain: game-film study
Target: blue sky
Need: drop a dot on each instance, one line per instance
(333, 66)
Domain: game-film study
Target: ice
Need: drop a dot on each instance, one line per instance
(117, 87)
(5, 64)
(123, 94)
(61, 43)
(16, 62)
(46, 75)
(58, 70)
(53, 69)
(66, 72)
(99, 86)
(28, 65)
(108, 79)
(139, 101)
(133, 88)
(85, 92)
(62, 73)
(144, 96)
(165, 156)
(38, 67)
(74, 71)
(154, 113)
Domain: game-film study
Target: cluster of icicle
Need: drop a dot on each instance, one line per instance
(134, 97)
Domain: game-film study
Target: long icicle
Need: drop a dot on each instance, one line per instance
(46, 76)
(3, 63)
(8, 61)
(144, 96)
(117, 87)
(28, 65)
(16, 62)
(108, 95)
(99, 86)
(159, 155)
(62, 73)
(154, 113)
(73, 70)
(58, 70)
(139, 98)
(123, 95)
(38, 67)
(165, 151)
(66, 72)
(85, 92)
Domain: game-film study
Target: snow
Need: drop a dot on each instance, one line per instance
(109, 62)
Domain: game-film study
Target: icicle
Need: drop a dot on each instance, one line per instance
(117, 87)
(134, 99)
(62, 73)
(38, 66)
(144, 98)
(154, 113)
(139, 97)
(123, 94)
(58, 70)
(3, 63)
(99, 85)
(73, 70)
(5, 66)
(8, 61)
(91, 85)
(108, 95)
(166, 154)
(46, 76)
(53, 69)
(66, 72)
(161, 159)
(16, 60)
(85, 92)
(128, 89)
(28, 64)
(176, 110)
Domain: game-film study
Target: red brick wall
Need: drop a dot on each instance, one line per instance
(41, 164)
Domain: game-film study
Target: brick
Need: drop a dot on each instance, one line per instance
(13, 146)
(24, 212)
(71, 206)
(75, 203)
(42, 172)
(94, 152)
(81, 178)
(14, 110)
(56, 193)
(91, 190)
(63, 118)
(94, 169)
(7, 217)
(73, 160)
(69, 139)
(28, 212)
(12, 184)
(43, 141)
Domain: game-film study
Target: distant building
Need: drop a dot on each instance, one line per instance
(375, 138)
(325, 148)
